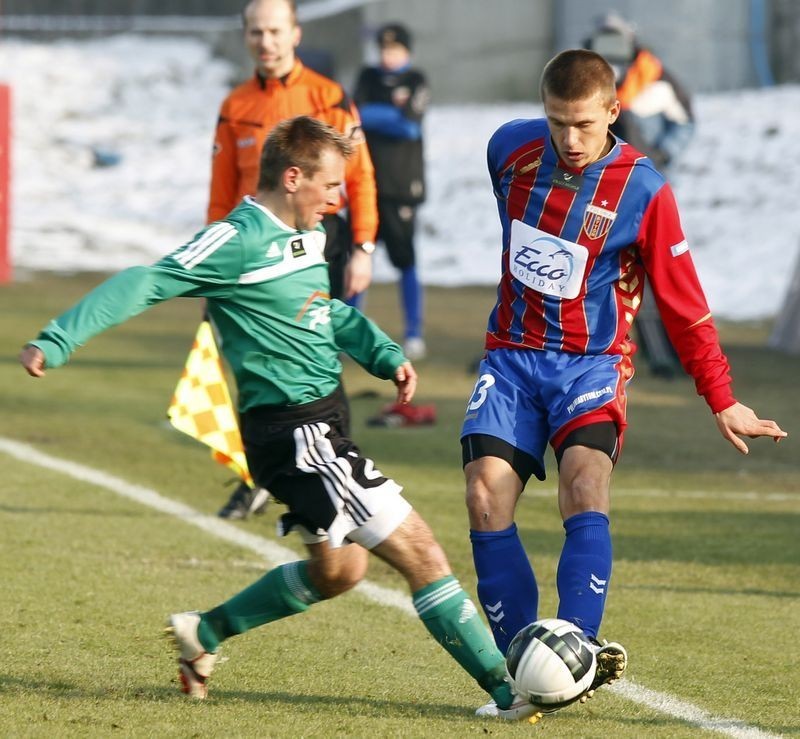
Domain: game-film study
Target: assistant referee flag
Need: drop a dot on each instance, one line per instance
(201, 406)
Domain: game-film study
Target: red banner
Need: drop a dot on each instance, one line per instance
(5, 183)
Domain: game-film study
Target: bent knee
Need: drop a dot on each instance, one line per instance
(491, 494)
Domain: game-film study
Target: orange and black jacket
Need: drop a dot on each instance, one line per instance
(645, 69)
(251, 111)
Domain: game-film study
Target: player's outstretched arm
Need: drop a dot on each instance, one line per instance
(32, 359)
(405, 377)
(739, 420)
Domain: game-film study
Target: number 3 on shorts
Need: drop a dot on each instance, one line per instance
(479, 393)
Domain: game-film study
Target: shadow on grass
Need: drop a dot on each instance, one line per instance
(358, 705)
(709, 537)
(755, 592)
(723, 538)
(343, 706)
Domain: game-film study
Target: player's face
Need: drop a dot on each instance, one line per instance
(271, 36)
(319, 193)
(579, 128)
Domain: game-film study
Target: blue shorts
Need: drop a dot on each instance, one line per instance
(528, 397)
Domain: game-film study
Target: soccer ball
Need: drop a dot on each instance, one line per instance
(550, 662)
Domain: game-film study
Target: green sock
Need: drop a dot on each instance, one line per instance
(452, 619)
(282, 592)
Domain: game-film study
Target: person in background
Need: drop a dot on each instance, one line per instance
(656, 118)
(283, 87)
(284, 334)
(655, 109)
(392, 99)
(584, 217)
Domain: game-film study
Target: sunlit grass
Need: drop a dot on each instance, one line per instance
(704, 592)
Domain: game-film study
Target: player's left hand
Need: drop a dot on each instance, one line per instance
(358, 273)
(405, 377)
(739, 420)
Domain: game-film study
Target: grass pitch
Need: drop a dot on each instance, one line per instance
(705, 591)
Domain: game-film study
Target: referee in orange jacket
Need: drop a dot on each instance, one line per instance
(283, 87)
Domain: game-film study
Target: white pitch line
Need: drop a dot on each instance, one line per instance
(272, 552)
(669, 704)
(276, 554)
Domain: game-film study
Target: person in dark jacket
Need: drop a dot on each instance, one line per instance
(656, 118)
(392, 99)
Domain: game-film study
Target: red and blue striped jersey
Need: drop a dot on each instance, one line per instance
(577, 245)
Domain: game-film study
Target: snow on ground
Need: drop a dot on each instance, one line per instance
(112, 142)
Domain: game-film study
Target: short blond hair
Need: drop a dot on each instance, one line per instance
(577, 74)
(298, 142)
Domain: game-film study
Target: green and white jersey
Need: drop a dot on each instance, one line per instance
(268, 294)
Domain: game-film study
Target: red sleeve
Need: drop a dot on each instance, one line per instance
(224, 191)
(681, 301)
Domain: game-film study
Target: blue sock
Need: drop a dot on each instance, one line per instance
(411, 298)
(584, 570)
(507, 588)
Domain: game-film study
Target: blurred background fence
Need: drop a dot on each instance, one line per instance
(472, 50)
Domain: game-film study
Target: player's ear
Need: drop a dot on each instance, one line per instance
(297, 34)
(291, 178)
(613, 112)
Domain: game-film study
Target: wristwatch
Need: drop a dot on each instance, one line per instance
(366, 246)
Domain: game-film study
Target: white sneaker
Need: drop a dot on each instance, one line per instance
(518, 710)
(414, 348)
(194, 663)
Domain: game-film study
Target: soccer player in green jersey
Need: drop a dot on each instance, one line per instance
(266, 282)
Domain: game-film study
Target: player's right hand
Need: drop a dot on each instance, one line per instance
(739, 420)
(32, 359)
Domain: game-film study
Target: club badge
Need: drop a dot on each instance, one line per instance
(597, 221)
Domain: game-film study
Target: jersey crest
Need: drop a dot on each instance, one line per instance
(597, 221)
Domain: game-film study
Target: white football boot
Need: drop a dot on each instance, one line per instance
(521, 708)
(194, 663)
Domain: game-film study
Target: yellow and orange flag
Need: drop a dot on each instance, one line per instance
(201, 406)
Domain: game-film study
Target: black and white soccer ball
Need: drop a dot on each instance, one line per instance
(551, 662)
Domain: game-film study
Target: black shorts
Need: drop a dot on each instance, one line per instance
(333, 493)
(602, 436)
(396, 224)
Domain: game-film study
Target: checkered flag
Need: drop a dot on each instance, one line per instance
(201, 406)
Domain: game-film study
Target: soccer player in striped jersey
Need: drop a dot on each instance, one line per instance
(264, 275)
(585, 220)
